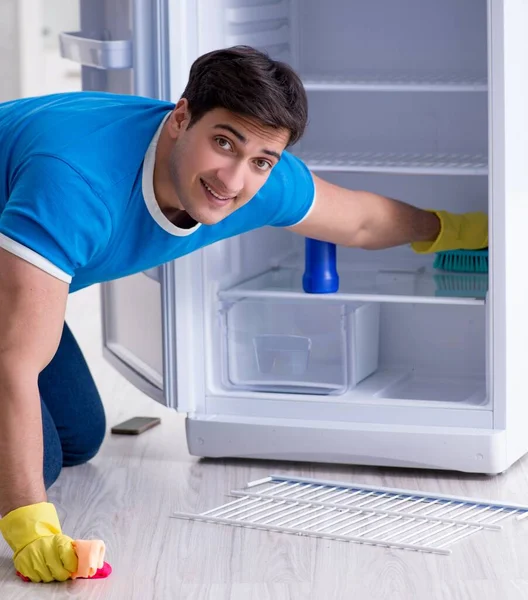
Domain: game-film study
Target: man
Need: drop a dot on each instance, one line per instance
(99, 186)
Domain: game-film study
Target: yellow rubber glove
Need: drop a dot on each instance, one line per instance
(41, 551)
(468, 231)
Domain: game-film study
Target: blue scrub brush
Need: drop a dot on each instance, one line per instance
(461, 285)
(462, 261)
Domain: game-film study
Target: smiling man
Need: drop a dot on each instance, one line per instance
(98, 186)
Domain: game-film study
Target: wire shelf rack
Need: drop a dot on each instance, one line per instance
(386, 517)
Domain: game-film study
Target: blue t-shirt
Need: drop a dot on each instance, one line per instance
(77, 196)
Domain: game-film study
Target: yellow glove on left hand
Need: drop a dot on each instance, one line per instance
(468, 231)
(41, 551)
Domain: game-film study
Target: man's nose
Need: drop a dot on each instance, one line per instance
(232, 178)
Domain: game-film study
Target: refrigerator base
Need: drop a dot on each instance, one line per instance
(455, 449)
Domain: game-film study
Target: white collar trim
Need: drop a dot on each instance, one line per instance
(147, 185)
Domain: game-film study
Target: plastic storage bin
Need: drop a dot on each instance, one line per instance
(309, 348)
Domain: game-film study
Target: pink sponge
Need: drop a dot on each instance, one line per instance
(90, 564)
(99, 574)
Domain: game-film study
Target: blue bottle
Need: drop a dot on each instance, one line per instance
(320, 275)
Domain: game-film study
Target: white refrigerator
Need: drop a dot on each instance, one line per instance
(405, 366)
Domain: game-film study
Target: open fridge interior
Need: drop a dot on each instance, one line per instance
(398, 105)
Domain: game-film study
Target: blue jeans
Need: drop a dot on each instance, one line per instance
(73, 418)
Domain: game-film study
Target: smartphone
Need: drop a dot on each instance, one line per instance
(136, 425)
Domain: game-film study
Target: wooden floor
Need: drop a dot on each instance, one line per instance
(127, 493)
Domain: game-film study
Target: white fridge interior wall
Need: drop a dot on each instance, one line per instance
(415, 39)
(398, 105)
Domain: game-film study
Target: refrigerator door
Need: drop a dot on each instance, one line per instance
(123, 48)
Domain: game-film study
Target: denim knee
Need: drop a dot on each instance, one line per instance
(89, 439)
(71, 397)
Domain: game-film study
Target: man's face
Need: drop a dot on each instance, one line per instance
(221, 162)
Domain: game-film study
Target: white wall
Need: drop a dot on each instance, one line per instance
(21, 56)
(57, 16)
(30, 62)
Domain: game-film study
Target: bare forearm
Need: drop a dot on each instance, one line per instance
(364, 219)
(32, 307)
(391, 223)
(21, 445)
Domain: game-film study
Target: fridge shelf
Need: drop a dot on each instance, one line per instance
(350, 512)
(418, 285)
(412, 385)
(396, 82)
(385, 162)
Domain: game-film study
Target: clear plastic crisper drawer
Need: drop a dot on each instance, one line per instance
(281, 345)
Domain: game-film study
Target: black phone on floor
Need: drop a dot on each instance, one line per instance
(135, 425)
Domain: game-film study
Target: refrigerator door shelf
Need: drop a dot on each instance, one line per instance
(259, 13)
(97, 53)
(263, 24)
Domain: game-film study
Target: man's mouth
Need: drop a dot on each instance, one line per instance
(214, 195)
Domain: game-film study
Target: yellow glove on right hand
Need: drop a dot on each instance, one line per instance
(41, 551)
(468, 231)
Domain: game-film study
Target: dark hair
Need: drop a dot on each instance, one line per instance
(247, 82)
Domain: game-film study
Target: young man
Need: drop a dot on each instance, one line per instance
(98, 186)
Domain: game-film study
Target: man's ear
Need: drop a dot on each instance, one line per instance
(179, 118)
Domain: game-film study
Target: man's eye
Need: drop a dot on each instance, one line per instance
(224, 143)
(263, 165)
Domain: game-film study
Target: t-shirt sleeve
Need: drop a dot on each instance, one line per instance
(289, 193)
(53, 218)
